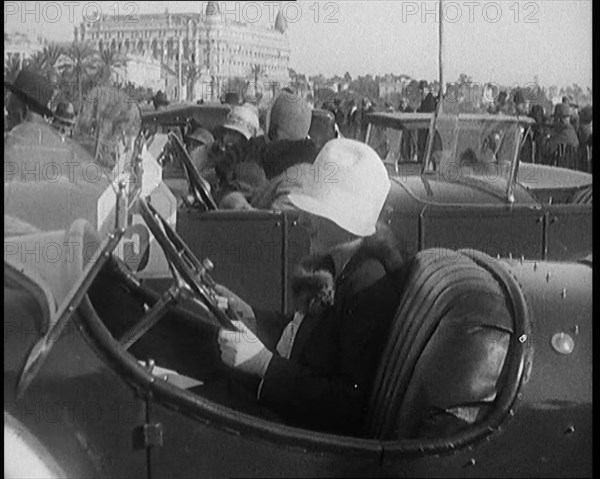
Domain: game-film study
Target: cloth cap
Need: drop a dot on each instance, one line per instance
(243, 120)
(351, 187)
(201, 135)
(562, 110)
(290, 117)
(33, 89)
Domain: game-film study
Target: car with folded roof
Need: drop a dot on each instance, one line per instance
(472, 192)
(105, 376)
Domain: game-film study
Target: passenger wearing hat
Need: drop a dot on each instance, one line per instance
(30, 98)
(198, 143)
(563, 140)
(266, 158)
(64, 118)
(317, 365)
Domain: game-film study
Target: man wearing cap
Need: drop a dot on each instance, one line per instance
(266, 159)
(33, 149)
(563, 144)
(316, 367)
(64, 118)
(199, 143)
(584, 134)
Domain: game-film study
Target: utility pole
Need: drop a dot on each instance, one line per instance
(179, 86)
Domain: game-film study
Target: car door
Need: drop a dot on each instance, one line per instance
(568, 231)
(496, 229)
(210, 440)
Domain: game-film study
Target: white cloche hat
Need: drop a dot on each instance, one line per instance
(349, 186)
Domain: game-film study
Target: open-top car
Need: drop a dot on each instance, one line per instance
(472, 193)
(105, 377)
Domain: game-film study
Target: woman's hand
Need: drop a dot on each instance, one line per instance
(228, 300)
(242, 350)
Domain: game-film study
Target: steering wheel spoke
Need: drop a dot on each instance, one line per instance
(154, 314)
(191, 279)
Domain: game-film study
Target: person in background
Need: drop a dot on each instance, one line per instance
(240, 126)
(585, 134)
(160, 101)
(540, 135)
(563, 143)
(64, 118)
(428, 101)
(198, 143)
(249, 171)
(404, 106)
(499, 107)
(315, 368)
(366, 108)
(520, 107)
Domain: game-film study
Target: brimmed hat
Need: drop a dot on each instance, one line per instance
(290, 117)
(65, 113)
(243, 120)
(201, 135)
(33, 89)
(353, 196)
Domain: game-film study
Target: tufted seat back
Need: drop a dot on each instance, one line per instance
(441, 367)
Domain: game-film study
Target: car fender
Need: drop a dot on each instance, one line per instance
(24, 455)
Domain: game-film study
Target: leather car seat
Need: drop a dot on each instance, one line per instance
(441, 367)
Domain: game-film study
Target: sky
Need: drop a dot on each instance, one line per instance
(508, 42)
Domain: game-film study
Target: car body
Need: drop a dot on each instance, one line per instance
(164, 406)
(510, 209)
(167, 407)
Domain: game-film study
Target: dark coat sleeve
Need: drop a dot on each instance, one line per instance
(328, 387)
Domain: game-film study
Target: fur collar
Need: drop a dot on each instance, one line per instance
(313, 282)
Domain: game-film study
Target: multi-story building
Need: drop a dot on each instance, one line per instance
(213, 47)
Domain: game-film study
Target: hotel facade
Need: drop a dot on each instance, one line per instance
(212, 47)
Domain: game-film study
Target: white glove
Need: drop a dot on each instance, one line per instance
(243, 350)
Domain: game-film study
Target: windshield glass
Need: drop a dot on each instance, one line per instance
(474, 143)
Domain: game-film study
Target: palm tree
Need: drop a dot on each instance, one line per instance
(50, 55)
(81, 55)
(36, 62)
(12, 67)
(256, 70)
(110, 60)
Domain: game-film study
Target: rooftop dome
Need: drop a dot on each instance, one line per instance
(280, 23)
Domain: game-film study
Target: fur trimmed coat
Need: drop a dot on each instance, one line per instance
(326, 382)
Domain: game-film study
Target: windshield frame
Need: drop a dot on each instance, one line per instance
(403, 121)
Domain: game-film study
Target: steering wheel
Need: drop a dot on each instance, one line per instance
(199, 187)
(191, 279)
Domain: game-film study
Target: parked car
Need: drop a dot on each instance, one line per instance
(105, 377)
(502, 207)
